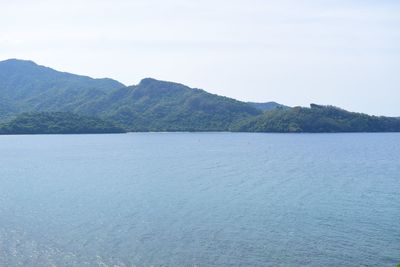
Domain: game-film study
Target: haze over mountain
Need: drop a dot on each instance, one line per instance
(155, 105)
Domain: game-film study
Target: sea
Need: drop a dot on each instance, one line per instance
(200, 199)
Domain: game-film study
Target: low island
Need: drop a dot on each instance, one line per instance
(57, 123)
(316, 119)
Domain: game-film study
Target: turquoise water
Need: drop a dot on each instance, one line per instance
(206, 199)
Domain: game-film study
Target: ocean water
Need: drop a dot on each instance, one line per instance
(200, 199)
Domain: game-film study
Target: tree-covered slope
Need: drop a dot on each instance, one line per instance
(151, 105)
(6, 109)
(31, 87)
(154, 105)
(316, 119)
(57, 123)
(267, 105)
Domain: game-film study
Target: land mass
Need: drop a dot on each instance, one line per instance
(49, 99)
(316, 119)
(267, 105)
(57, 123)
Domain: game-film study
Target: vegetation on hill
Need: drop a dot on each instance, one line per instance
(30, 87)
(5, 109)
(57, 123)
(316, 119)
(152, 105)
(267, 105)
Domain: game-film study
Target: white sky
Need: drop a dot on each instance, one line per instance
(340, 52)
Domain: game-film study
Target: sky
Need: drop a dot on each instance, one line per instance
(339, 52)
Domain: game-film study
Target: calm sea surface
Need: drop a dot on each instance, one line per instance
(200, 199)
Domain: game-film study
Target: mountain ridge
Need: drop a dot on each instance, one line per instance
(264, 106)
(29, 87)
(155, 105)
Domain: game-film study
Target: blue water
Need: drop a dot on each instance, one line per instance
(207, 199)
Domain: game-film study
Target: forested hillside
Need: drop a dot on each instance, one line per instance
(57, 123)
(152, 105)
(155, 105)
(316, 119)
(26, 87)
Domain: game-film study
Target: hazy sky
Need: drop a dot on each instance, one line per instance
(340, 52)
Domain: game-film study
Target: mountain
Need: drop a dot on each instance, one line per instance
(26, 87)
(316, 119)
(57, 123)
(154, 105)
(6, 109)
(267, 105)
(151, 105)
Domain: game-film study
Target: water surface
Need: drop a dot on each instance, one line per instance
(200, 199)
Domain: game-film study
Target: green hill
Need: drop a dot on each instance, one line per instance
(151, 105)
(267, 105)
(154, 105)
(57, 123)
(316, 119)
(29, 87)
(6, 109)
